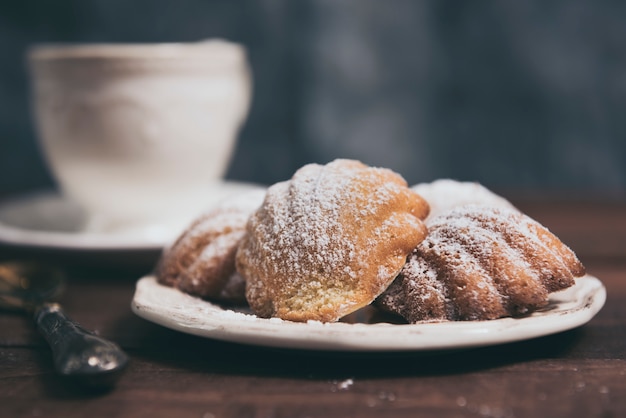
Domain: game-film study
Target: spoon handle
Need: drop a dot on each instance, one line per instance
(77, 353)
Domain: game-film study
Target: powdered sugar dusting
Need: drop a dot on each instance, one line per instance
(445, 194)
(489, 262)
(220, 246)
(231, 213)
(305, 226)
(316, 240)
(201, 261)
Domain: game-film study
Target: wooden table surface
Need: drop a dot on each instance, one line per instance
(578, 373)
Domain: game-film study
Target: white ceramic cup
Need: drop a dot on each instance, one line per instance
(138, 134)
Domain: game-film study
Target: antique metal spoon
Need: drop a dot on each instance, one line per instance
(78, 354)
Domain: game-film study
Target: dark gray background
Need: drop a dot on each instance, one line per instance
(526, 95)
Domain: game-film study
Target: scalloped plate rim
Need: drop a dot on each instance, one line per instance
(178, 311)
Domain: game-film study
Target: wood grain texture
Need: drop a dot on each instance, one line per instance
(579, 373)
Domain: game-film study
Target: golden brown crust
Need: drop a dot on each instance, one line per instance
(481, 263)
(202, 260)
(329, 241)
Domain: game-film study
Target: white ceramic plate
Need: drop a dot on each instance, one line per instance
(176, 310)
(47, 220)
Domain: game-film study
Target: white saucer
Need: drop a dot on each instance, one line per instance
(47, 220)
(173, 309)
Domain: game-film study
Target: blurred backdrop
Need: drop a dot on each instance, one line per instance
(517, 95)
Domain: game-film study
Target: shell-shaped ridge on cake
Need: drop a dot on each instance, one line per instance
(480, 262)
(201, 261)
(329, 240)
